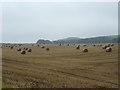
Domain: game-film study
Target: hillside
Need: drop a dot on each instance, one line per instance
(72, 40)
(41, 41)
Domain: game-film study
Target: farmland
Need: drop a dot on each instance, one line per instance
(60, 67)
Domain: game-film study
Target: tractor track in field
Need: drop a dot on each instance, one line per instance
(59, 71)
(74, 75)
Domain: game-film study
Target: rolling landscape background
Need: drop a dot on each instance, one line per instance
(72, 40)
(59, 45)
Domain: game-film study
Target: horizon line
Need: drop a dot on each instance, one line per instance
(64, 38)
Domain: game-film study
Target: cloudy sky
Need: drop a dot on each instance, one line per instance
(28, 22)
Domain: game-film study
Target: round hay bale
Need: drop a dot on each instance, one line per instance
(29, 50)
(78, 47)
(84, 45)
(59, 44)
(23, 52)
(67, 44)
(47, 49)
(11, 47)
(108, 45)
(104, 47)
(26, 49)
(19, 49)
(112, 44)
(42, 47)
(94, 45)
(85, 50)
(20, 44)
(108, 49)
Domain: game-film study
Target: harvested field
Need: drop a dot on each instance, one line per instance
(60, 67)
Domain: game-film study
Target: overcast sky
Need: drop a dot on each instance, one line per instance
(28, 22)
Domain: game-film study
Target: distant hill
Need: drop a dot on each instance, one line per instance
(67, 40)
(41, 41)
(72, 40)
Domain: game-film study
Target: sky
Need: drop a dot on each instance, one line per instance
(28, 22)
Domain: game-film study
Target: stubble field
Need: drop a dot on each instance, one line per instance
(60, 67)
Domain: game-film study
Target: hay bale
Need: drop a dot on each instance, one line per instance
(104, 47)
(29, 50)
(42, 47)
(11, 47)
(59, 44)
(108, 45)
(84, 45)
(20, 44)
(19, 49)
(78, 47)
(26, 49)
(108, 49)
(111, 44)
(47, 49)
(23, 52)
(85, 50)
(94, 45)
(100, 45)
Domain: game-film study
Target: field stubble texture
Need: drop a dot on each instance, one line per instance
(60, 67)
